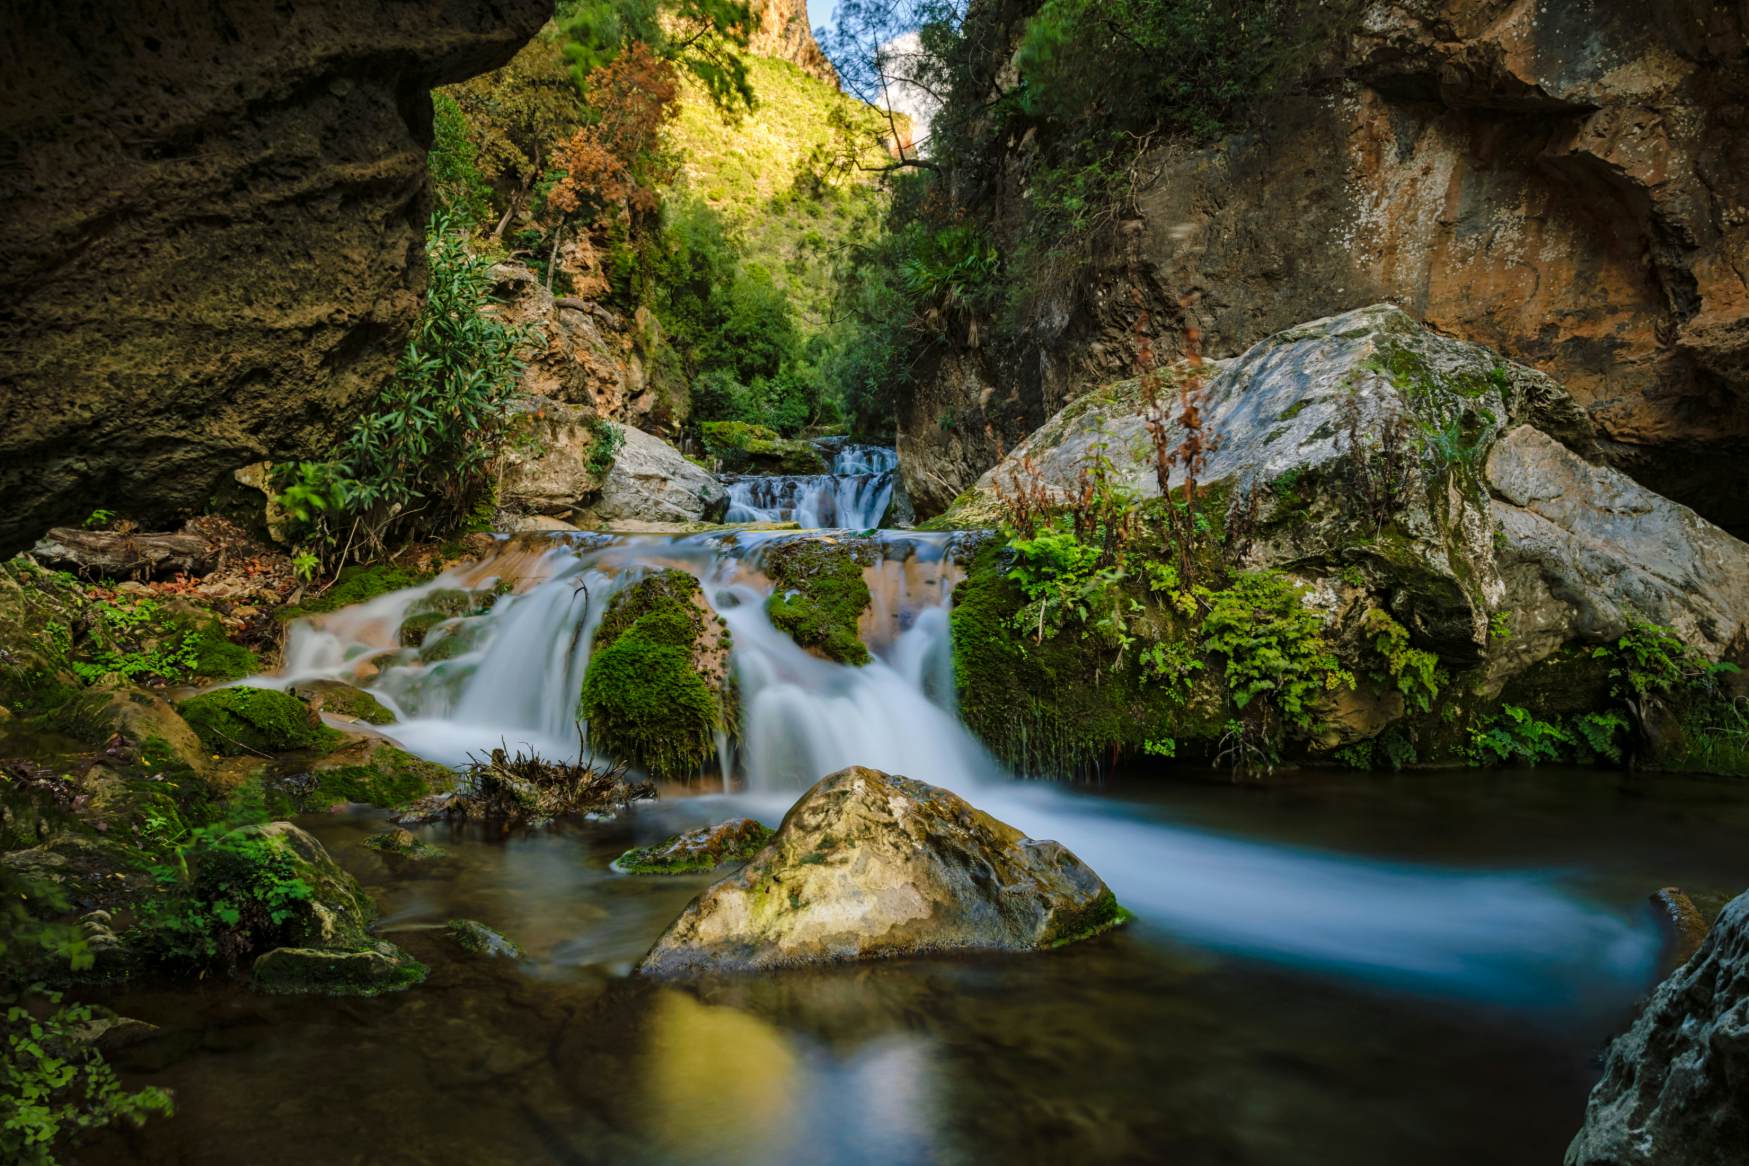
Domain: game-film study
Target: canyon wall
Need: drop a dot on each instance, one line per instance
(1567, 183)
(213, 244)
(780, 29)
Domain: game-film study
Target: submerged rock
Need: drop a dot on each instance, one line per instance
(367, 971)
(869, 865)
(703, 849)
(1675, 1087)
(476, 938)
(401, 843)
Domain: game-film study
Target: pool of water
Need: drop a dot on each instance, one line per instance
(1173, 1040)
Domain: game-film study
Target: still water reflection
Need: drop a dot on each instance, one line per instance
(1152, 1044)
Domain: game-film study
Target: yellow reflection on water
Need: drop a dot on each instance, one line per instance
(721, 1083)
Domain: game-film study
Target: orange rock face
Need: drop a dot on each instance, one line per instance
(1566, 183)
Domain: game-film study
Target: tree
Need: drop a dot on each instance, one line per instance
(703, 37)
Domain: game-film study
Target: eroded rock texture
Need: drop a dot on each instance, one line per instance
(212, 249)
(1675, 1087)
(780, 29)
(1567, 183)
(868, 865)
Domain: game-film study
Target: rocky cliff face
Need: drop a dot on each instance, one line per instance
(1675, 1088)
(1566, 183)
(213, 247)
(780, 29)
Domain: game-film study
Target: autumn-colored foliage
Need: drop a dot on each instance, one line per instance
(615, 164)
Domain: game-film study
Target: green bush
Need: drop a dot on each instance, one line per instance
(462, 191)
(235, 894)
(254, 720)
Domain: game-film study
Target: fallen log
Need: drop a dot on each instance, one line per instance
(109, 554)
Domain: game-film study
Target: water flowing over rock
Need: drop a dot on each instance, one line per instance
(1675, 1087)
(1563, 182)
(869, 865)
(855, 495)
(1456, 484)
(214, 242)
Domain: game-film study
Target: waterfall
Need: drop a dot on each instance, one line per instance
(1510, 936)
(854, 496)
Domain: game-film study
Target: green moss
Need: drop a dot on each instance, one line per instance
(741, 447)
(819, 595)
(347, 701)
(368, 971)
(1057, 708)
(254, 720)
(358, 584)
(645, 697)
(1104, 915)
(698, 851)
(477, 939)
(390, 777)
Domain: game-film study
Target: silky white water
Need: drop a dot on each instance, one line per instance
(854, 495)
(1500, 935)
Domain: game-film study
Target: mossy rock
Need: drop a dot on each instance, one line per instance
(373, 772)
(477, 939)
(342, 699)
(358, 584)
(255, 720)
(369, 970)
(1058, 707)
(403, 843)
(416, 627)
(656, 692)
(819, 594)
(697, 851)
(743, 448)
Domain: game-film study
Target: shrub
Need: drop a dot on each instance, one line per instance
(1273, 645)
(238, 895)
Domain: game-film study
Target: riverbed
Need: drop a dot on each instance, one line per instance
(1163, 1042)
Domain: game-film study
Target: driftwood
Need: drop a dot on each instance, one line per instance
(111, 554)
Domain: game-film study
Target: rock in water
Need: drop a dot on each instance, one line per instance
(1675, 1088)
(652, 482)
(868, 865)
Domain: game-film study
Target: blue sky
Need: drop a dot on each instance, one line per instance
(820, 12)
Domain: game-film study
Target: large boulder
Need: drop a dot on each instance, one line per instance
(1562, 182)
(550, 464)
(1459, 488)
(869, 865)
(652, 482)
(215, 214)
(1675, 1087)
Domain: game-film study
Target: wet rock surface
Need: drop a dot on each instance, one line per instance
(703, 849)
(1675, 1087)
(214, 245)
(869, 865)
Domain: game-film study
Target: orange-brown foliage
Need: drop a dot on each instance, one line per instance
(615, 164)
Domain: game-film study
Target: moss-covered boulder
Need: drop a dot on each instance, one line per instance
(255, 720)
(742, 448)
(1445, 513)
(657, 689)
(819, 594)
(359, 583)
(697, 851)
(337, 698)
(370, 771)
(868, 865)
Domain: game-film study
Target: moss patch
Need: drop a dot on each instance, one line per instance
(698, 851)
(650, 696)
(1058, 708)
(358, 584)
(344, 700)
(254, 720)
(740, 447)
(819, 595)
(386, 777)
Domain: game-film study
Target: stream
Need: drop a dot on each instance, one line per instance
(1356, 968)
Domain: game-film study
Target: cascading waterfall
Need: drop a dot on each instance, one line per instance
(1512, 936)
(853, 496)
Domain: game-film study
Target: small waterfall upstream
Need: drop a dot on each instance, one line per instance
(1502, 935)
(853, 496)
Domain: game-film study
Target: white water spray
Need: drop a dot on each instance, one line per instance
(1511, 936)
